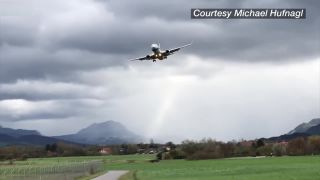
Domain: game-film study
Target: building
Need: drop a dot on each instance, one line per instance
(106, 151)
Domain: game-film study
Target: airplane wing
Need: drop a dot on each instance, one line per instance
(171, 51)
(147, 57)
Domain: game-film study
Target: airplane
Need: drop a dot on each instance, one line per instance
(158, 54)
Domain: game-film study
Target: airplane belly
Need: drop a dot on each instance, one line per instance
(156, 51)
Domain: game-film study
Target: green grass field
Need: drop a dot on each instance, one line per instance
(286, 168)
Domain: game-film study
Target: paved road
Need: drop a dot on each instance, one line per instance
(111, 175)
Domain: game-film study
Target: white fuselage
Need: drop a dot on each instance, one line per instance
(155, 48)
(157, 54)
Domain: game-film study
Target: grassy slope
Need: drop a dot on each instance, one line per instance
(303, 167)
(307, 167)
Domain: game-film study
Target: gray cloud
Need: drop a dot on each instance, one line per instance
(67, 61)
(58, 41)
(46, 90)
(238, 40)
(22, 110)
(37, 63)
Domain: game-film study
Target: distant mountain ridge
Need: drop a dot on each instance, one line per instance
(10, 136)
(112, 132)
(109, 132)
(302, 128)
(29, 140)
(314, 130)
(17, 132)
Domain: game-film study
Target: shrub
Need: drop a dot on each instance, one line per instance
(297, 146)
(279, 149)
(177, 154)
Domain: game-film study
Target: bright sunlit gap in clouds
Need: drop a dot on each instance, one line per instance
(173, 85)
(191, 98)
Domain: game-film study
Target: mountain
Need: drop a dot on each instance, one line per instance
(314, 130)
(287, 137)
(109, 132)
(17, 132)
(302, 128)
(29, 140)
(10, 136)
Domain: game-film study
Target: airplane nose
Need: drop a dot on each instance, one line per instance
(154, 47)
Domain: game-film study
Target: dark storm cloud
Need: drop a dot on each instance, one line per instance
(17, 31)
(235, 40)
(57, 43)
(37, 63)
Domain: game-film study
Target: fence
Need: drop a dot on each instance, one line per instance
(63, 171)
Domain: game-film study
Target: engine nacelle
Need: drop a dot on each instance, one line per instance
(167, 51)
(148, 56)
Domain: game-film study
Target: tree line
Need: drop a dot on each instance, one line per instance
(211, 149)
(188, 149)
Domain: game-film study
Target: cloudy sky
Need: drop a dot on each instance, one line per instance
(64, 65)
